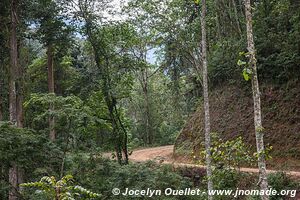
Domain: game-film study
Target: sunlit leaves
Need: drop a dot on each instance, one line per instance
(63, 188)
(247, 71)
(229, 153)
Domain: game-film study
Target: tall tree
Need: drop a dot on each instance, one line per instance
(206, 99)
(3, 52)
(13, 170)
(20, 92)
(13, 63)
(263, 182)
(1, 92)
(109, 57)
(52, 132)
(54, 33)
(144, 81)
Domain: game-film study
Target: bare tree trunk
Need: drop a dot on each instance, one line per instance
(52, 133)
(219, 35)
(1, 103)
(236, 16)
(13, 65)
(13, 181)
(206, 100)
(20, 98)
(144, 82)
(263, 182)
(2, 74)
(13, 171)
(20, 114)
(148, 118)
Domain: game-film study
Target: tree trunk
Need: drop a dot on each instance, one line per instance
(52, 133)
(13, 65)
(206, 100)
(116, 134)
(1, 103)
(219, 35)
(13, 181)
(20, 98)
(125, 138)
(120, 141)
(13, 171)
(20, 114)
(144, 82)
(263, 182)
(236, 16)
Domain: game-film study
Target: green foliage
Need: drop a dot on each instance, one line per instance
(21, 146)
(102, 175)
(99, 97)
(50, 23)
(247, 71)
(62, 189)
(276, 38)
(266, 153)
(230, 153)
(222, 56)
(247, 74)
(226, 179)
(66, 76)
(32, 153)
(281, 181)
(163, 108)
(77, 121)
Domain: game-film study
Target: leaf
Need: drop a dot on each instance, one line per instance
(246, 75)
(242, 53)
(241, 63)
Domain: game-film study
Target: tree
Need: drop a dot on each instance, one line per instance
(206, 99)
(30, 151)
(3, 53)
(143, 77)
(13, 171)
(111, 44)
(52, 133)
(2, 90)
(1, 102)
(263, 182)
(144, 82)
(54, 33)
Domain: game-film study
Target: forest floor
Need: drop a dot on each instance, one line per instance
(164, 155)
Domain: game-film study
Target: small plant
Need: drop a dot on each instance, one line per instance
(230, 153)
(281, 181)
(60, 190)
(265, 152)
(247, 71)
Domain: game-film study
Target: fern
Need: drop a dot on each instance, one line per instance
(61, 188)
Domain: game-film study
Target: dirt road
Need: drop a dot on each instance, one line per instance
(164, 154)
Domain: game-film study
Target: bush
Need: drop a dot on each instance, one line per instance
(280, 181)
(102, 175)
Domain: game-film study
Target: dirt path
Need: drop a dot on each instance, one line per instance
(164, 154)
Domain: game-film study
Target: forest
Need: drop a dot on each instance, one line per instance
(140, 99)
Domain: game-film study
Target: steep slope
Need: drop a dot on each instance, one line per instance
(232, 116)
